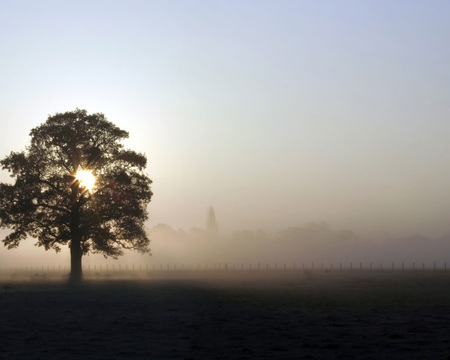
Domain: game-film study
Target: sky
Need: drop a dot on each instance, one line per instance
(276, 113)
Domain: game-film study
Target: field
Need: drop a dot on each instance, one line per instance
(229, 315)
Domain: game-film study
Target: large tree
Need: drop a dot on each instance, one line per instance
(77, 185)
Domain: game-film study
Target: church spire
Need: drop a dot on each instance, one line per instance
(211, 223)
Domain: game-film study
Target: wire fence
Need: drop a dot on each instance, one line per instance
(294, 266)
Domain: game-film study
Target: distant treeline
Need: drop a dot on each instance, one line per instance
(315, 241)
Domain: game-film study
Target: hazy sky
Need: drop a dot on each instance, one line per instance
(276, 113)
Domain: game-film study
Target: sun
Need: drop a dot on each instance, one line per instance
(86, 179)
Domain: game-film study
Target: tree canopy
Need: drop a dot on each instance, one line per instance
(49, 202)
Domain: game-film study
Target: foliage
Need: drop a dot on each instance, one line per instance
(45, 201)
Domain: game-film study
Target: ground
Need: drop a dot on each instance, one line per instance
(229, 315)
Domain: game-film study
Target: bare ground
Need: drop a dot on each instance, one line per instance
(230, 315)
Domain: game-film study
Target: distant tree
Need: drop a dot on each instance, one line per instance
(76, 185)
(316, 233)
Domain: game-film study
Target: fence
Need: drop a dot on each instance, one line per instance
(303, 266)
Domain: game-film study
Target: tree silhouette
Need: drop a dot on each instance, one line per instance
(51, 198)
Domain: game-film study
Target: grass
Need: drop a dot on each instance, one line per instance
(228, 314)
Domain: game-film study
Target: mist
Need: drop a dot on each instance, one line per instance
(312, 245)
(318, 131)
(304, 135)
(298, 246)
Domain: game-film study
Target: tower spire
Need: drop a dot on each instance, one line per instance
(211, 223)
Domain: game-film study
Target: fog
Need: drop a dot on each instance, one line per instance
(299, 246)
(318, 130)
(313, 245)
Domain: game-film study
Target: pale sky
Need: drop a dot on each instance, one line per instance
(276, 113)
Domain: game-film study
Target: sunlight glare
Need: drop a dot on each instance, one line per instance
(86, 179)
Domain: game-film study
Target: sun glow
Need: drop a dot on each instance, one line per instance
(86, 179)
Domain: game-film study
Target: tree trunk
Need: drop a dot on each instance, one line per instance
(76, 271)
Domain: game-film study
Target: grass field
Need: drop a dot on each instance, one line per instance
(229, 315)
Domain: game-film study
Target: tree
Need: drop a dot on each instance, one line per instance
(76, 185)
